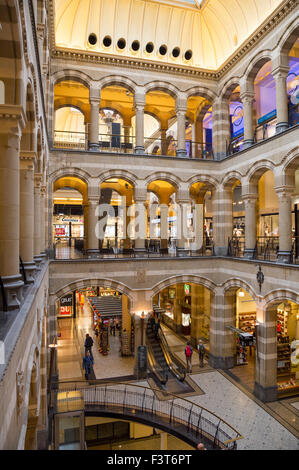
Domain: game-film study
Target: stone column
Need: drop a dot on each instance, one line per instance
(250, 224)
(222, 219)
(280, 70)
(265, 387)
(126, 326)
(199, 140)
(164, 146)
(140, 220)
(127, 136)
(181, 132)
(94, 99)
(139, 104)
(221, 128)
(197, 309)
(182, 247)
(85, 212)
(285, 224)
(177, 308)
(37, 220)
(42, 219)
(223, 312)
(11, 123)
(247, 98)
(93, 241)
(164, 211)
(27, 160)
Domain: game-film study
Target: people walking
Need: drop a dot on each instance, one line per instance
(87, 364)
(88, 344)
(201, 352)
(188, 354)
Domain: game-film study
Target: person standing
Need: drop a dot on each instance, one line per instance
(201, 352)
(87, 364)
(88, 344)
(188, 354)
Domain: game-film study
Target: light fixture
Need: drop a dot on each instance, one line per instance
(241, 294)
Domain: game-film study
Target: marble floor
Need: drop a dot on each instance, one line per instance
(255, 421)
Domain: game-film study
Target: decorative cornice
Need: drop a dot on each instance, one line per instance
(108, 59)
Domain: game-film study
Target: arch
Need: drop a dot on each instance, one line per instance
(121, 174)
(257, 63)
(201, 91)
(163, 176)
(229, 87)
(162, 86)
(290, 161)
(258, 169)
(288, 38)
(69, 172)
(207, 179)
(71, 75)
(280, 295)
(237, 283)
(183, 278)
(65, 103)
(117, 80)
(230, 179)
(98, 282)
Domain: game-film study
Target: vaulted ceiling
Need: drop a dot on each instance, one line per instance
(209, 31)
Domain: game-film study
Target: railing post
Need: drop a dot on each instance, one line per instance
(189, 419)
(105, 396)
(214, 443)
(143, 400)
(124, 401)
(170, 415)
(198, 424)
(153, 404)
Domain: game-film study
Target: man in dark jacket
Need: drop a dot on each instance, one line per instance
(87, 364)
(88, 344)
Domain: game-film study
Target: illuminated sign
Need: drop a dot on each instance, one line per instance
(187, 289)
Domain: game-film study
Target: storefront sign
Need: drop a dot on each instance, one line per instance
(66, 301)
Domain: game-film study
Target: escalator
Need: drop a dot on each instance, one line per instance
(165, 370)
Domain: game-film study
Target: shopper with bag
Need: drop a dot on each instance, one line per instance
(201, 352)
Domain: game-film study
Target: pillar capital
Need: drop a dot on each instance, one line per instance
(94, 94)
(181, 103)
(37, 181)
(252, 197)
(12, 119)
(247, 97)
(284, 191)
(280, 72)
(139, 97)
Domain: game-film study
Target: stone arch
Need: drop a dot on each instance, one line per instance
(230, 179)
(163, 176)
(237, 283)
(288, 38)
(183, 278)
(207, 179)
(280, 295)
(258, 169)
(229, 87)
(201, 91)
(122, 174)
(291, 161)
(69, 172)
(162, 86)
(97, 282)
(117, 80)
(71, 75)
(257, 63)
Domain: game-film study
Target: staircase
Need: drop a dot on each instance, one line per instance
(154, 344)
(107, 306)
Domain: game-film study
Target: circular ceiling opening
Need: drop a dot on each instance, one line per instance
(163, 50)
(176, 52)
(149, 47)
(135, 45)
(121, 43)
(92, 39)
(107, 41)
(188, 55)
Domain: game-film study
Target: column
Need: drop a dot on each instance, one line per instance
(265, 386)
(177, 307)
(140, 220)
(280, 77)
(93, 241)
(94, 99)
(164, 145)
(27, 213)
(127, 137)
(126, 326)
(181, 132)
(11, 122)
(42, 221)
(197, 309)
(221, 128)
(223, 311)
(250, 225)
(222, 219)
(37, 220)
(139, 104)
(198, 137)
(247, 100)
(285, 224)
(85, 213)
(182, 247)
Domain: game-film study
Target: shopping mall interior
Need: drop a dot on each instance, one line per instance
(149, 234)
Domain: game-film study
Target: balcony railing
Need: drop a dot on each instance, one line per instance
(266, 248)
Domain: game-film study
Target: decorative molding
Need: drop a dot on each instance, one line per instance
(107, 59)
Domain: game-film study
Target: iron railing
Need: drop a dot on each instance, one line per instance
(190, 421)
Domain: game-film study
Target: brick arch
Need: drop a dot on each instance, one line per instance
(280, 295)
(201, 91)
(162, 86)
(163, 176)
(183, 278)
(71, 75)
(237, 283)
(122, 174)
(97, 282)
(117, 80)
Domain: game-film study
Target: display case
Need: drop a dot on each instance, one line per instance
(247, 322)
(283, 360)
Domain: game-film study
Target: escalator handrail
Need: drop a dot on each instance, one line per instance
(175, 369)
(152, 362)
